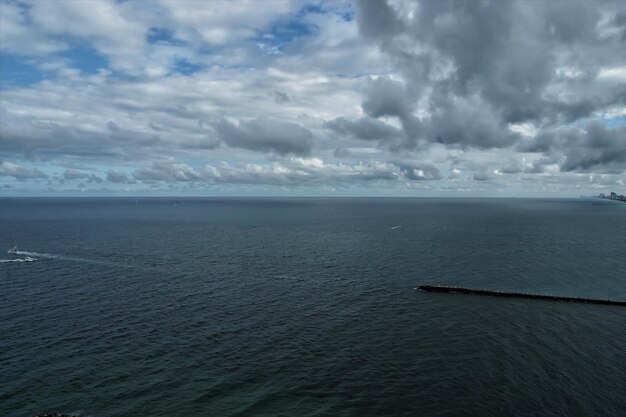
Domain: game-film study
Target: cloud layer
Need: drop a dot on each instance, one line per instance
(371, 97)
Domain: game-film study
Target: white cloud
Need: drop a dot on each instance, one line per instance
(19, 37)
(289, 95)
(613, 73)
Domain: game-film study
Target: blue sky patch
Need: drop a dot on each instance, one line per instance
(84, 58)
(615, 122)
(24, 71)
(17, 70)
(284, 32)
(182, 66)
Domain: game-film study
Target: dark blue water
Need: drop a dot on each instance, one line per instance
(306, 307)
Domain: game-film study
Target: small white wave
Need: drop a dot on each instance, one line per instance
(285, 276)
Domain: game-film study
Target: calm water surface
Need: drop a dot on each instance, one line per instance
(306, 307)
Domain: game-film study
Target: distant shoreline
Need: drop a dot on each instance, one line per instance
(613, 196)
(280, 197)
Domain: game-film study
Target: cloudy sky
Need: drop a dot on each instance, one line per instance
(263, 97)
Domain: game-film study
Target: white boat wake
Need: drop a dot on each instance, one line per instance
(29, 259)
(29, 254)
(26, 256)
(60, 257)
(15, 252)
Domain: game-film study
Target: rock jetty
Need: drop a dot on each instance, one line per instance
(512, 294)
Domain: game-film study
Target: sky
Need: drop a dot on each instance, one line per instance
(312, 98)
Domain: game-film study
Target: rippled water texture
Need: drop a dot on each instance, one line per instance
(242, 307)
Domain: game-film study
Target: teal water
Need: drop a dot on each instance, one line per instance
(306, 307)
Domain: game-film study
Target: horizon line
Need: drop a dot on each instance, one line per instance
(581, 197)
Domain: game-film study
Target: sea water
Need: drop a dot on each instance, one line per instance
(306, 307)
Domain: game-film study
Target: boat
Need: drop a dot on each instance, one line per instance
(29, 259)
(12, 251)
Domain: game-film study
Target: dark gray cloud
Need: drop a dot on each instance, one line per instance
(119, 135)
(341, 153)
(489, 56)
(468, 122)
(482, 176)
(266, 135)
(508, 52)
(541, 165)
(167, 171)
(280, 97)
(20, 173)
(33, 139)
(386, 97)
(477, 67)
(72, 174)
(365, 128)
(512, 166)
(117, 177)
(619, 23)
(377, 19)
(594, 147)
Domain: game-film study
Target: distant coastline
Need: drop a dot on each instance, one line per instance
(613, 196)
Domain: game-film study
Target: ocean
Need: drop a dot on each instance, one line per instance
(306, 307)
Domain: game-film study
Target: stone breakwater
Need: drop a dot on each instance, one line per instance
(462, 290)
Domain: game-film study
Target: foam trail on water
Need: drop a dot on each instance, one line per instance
(60, 257)
(17, 260)
(70, 259)
(42, 255)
